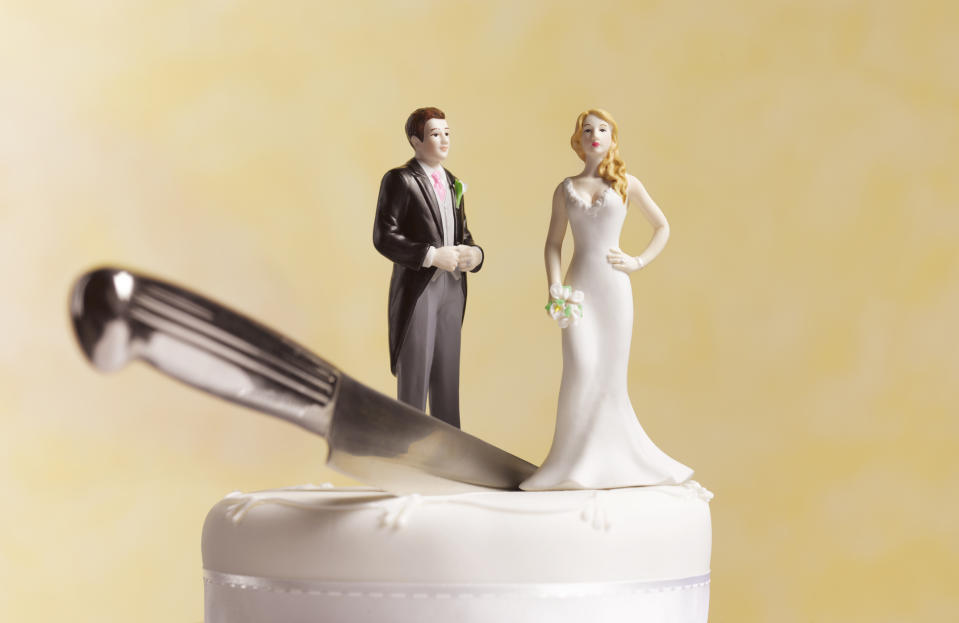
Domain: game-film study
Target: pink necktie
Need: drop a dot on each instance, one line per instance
(439, 188)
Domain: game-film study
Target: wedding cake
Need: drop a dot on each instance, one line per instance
(321, 554)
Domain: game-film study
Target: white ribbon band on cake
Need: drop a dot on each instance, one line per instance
(448, 591)
(682, 600)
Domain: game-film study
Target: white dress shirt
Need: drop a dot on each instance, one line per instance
(446, 212)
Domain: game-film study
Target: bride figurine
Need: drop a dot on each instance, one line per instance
(598, 442)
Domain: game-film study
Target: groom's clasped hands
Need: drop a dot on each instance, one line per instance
(457, 257)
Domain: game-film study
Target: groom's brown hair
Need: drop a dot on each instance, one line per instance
(416, 123)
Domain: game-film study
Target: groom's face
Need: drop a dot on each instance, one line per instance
(435, 145)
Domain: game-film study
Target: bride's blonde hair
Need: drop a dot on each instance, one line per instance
(611, 168)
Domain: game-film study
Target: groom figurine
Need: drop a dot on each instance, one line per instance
(421, 227)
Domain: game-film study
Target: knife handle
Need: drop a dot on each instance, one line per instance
(119, 316)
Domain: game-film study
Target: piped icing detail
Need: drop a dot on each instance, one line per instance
(595, 512)
(396, 512)
(244, 502)
(397, 515)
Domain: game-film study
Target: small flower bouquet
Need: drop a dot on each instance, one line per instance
(565, 305)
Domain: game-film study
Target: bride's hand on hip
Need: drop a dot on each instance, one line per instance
(622, 262)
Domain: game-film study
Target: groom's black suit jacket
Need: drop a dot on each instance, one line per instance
(407, 224)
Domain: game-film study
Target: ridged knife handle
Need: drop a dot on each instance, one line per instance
(119, 316)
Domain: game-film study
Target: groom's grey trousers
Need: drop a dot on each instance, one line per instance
(429, 359)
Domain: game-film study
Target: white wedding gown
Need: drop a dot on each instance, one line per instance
(598, 442)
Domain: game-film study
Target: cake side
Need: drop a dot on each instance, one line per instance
(318, 534)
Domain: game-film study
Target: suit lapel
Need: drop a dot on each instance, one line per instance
(457, 213)
(426, 189)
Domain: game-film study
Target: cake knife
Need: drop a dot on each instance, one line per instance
(119, 316)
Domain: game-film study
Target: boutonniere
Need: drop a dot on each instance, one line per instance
(459, 188)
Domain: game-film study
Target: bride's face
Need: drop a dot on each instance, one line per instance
(597, 136)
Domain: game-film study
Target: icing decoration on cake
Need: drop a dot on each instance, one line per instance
(398, 515)
(595, 513)
(397, 511)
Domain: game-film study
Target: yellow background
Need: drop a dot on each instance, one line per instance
(795, 343)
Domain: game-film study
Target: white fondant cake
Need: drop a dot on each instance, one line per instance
(321, 554)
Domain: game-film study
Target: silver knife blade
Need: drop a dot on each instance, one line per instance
(119, 316)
